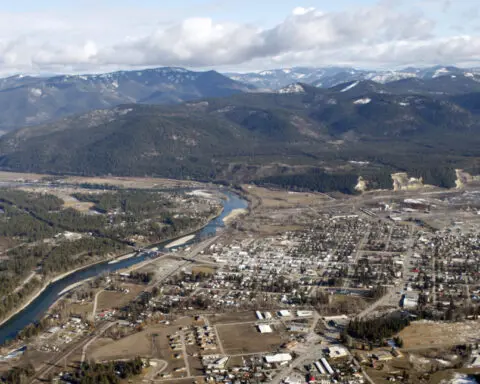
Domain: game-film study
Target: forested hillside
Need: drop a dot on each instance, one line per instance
(310, 138)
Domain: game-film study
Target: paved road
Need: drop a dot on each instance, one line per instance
(390, 297)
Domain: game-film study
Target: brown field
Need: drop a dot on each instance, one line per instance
(138, 344)
(12, 176)
(430, 334)
(114, 299)
(133, 182)
(66, 195)
(203, 269)
(245, 339)
(271, 198)
(232, 317)
(80, 309)
(236, 361)
(152, 342)
(78, 205)
(399, 365)
(196, 367)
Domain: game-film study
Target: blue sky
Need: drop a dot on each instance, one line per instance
(94, 36)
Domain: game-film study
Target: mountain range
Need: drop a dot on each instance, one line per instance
(28, 100)
(331, 76)
(360, 128)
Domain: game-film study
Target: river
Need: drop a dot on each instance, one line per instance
(38, 307)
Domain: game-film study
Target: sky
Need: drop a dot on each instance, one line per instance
(86, 36)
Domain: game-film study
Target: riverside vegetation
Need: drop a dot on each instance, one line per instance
(49, 239)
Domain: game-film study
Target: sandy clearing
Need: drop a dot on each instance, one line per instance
(180, 241)
(234, 214)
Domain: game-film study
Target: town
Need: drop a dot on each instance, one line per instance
(304, 287)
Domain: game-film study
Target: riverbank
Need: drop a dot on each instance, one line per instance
(22, 316)
(38, 292)
(73, 286)
(234, 214)
(181, 241)
(125, 257)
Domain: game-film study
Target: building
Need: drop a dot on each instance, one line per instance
(264, 328)
(337, 352)
(383, 356)
(304, 313)
(278, 358)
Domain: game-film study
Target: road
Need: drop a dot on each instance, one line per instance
(184, 352)
(62, 357)
(157, 367)
(389, 297)
(24, 282)
(95, 304)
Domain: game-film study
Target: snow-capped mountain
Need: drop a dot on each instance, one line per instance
(28, 100)
(331, 76)
(276, 79)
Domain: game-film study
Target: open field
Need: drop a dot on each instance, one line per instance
(80, 309)
(116, 299)
(415, 366)
(245, 338)
(138, 344)
(203, 269)
(133, 182)
(431, 334)
(232, 317)
(12, 176)
(271, 198)
(153, 342)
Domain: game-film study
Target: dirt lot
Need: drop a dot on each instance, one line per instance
(203, 269)
(80, 309)
(116, 299)
(430, 334)
(138, 344)
(245, 338)
(153, 342)
(233, 317)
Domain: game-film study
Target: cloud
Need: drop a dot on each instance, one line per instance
(370, 36)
